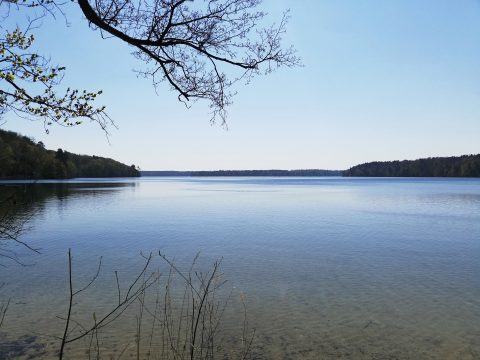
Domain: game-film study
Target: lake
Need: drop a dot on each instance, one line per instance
(355, 268)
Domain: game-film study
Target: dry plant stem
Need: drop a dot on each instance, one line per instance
(246, 344)
(135, 291)
(118, 310)
(139, 317)
(96, 346)
(96, 337)
(70, 302)
(3, 312)
(187, 325)
(123, 351)
(199, 307)
(152, 331)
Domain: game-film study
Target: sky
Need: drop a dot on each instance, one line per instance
(381, 80)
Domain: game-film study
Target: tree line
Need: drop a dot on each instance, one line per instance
(300, 172)
(23, 158)
(454, 166)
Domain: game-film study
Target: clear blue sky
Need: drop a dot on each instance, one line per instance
(382, 80)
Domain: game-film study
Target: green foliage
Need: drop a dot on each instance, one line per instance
(455, 166)
(22, 158)
(29, 86)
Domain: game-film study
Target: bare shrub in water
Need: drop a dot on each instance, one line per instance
(179, 319)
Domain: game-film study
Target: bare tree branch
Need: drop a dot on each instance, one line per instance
(189, 43)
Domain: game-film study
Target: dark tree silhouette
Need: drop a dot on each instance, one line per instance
(187, 43)
(200, 47)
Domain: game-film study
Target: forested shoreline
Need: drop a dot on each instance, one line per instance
(301, 172)
(454, 166)
(23, 158)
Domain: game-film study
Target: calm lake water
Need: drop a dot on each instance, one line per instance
(330, 267)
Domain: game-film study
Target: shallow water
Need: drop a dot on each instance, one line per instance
(331, 267)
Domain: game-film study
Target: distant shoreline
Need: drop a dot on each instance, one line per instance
(454, 166)
(279, 173)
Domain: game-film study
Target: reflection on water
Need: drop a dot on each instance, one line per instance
(21, 202)
(332, 268)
